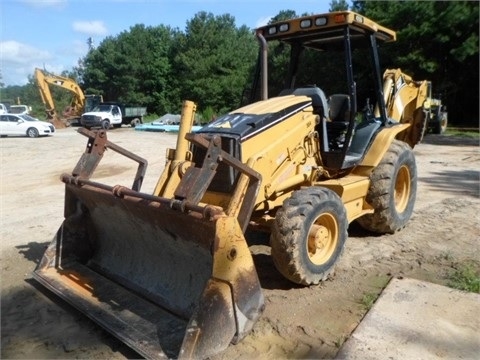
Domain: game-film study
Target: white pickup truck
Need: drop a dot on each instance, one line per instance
(106, 115)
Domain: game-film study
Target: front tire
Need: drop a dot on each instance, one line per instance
(32, 133)
(392, 192)
(308, 235)
(105, 124)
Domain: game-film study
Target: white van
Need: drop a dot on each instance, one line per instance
(3, 109)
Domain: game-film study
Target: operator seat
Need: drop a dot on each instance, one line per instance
(339, 116)
(319, 100)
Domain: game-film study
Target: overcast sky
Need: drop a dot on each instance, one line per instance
(52, 34)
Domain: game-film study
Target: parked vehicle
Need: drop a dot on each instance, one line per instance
(171, 273)
(114, 114)
(3, 109)
(437, 115)
(20, 109)
(24, 125)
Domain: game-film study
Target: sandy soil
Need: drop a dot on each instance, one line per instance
(299, 322)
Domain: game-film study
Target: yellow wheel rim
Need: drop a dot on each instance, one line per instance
(322, 239)
(402, 189)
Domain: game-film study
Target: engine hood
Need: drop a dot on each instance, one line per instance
(248, 120)
(96, 113)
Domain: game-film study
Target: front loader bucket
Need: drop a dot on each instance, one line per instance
(168, 282)
(168, 275)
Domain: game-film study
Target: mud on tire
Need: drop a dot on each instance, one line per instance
(308, 235)
(392, 192)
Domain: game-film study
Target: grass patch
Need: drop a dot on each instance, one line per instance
(472, 134)
(368, 300)
(465, 278)
(339, 342)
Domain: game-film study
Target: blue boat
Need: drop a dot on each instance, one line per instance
(158, 127)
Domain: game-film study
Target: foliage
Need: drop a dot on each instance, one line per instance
(464, 133)
(338, 5)
(213, 61)
(465, 278)
(438, 41)
(207, 115)
(133, 67)
(368, 300)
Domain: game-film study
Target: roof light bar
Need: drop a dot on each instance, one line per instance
(283, 27)
(272, 30)
(320, 21)
(306, 23)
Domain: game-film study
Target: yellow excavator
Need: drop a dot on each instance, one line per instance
(80, 102)
(170, 272)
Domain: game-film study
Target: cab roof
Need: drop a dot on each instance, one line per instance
(318, 31)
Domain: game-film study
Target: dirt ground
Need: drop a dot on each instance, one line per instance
(299, 322)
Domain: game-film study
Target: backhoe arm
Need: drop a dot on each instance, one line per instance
(404, 100)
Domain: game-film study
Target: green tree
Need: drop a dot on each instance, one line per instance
(439, 42)
(213, 60)
(338, 5)
(133, 67)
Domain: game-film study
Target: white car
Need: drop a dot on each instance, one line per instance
(24, 125)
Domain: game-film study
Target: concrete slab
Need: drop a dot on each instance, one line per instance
(413, 319)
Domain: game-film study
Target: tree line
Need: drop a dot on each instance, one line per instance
(212, 62)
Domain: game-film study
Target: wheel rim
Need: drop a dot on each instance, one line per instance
(402, 189)
(322, 239)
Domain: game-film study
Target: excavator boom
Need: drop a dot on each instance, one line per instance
(78, 102)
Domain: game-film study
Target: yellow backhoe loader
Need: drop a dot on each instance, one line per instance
(406, 101)
(170, 272)
(80, 102)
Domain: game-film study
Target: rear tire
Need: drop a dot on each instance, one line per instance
(441, 125)
(392, 192)
(135, 122)
(32, 132)
(308, 235)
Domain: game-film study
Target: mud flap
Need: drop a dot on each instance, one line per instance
(167, 280)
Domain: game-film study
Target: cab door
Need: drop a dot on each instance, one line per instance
(116, 115)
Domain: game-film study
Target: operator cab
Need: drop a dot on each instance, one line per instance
(328, 39)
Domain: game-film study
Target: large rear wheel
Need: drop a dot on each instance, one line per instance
(392, 192)
(308, 235)
(441, 125)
